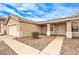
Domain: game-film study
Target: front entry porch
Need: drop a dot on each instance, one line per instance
(60, 29)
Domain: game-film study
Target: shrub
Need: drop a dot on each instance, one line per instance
(35, 34)
(42, 34)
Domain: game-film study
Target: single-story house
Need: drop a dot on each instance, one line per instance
(20, 27)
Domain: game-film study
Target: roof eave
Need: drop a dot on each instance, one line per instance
(59, 21)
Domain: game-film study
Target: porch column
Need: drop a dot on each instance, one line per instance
(48, 30)
(2, 29)
(69, 30)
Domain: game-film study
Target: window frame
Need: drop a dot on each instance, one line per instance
(75, 28)
(52, 28)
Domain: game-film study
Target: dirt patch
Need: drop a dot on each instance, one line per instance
(39, 43)
(5, 49)
(70, 47)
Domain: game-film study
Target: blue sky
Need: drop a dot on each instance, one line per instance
(39, 11)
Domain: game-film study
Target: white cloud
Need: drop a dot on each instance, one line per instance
(29, 6)
(40, 12)
(39, 19)
(8, 10)
(26, 6)
(60, 11)
(36, 19)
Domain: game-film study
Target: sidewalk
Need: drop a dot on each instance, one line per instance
(54, 47)
(19, 47)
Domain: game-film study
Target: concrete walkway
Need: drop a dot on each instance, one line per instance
(18, 47)
(54, 47)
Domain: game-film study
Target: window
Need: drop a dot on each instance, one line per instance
(75, 29)
(51, 28)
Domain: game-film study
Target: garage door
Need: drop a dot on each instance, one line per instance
(13, 30)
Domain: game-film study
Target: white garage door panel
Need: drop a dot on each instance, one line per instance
(13, 30)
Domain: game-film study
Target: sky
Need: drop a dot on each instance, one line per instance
(40, 11)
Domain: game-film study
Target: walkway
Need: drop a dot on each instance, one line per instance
(54, 47)
(19, 47)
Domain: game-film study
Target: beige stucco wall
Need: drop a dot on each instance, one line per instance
(75, 34)
(0, 26)
(2, 29)
(44, 29)
(23, 28)
(58, 29)
(26, 29)
(12, 22)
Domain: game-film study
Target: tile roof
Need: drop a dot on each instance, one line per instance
(21, 19)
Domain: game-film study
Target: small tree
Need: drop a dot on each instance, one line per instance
(2, 18)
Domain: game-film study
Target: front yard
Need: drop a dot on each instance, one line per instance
(70, 47)
(5, 49)
(39, 43)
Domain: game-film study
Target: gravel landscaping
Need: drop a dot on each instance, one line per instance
(39, 43)
(70, 47)
(5, 49)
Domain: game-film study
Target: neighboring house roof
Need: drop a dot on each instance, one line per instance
(65, 19)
